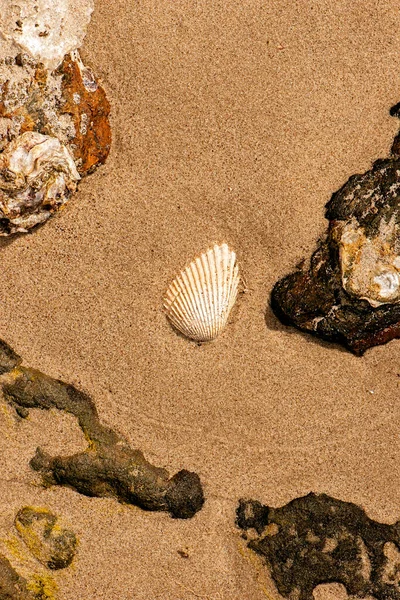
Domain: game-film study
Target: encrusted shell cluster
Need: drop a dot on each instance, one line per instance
(53, 112)
(370, 264)
(199, 301)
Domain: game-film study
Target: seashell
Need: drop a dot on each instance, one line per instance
(37, 176)
(198, 302)
(45, 29)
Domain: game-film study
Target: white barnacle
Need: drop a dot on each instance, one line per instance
(388, 283)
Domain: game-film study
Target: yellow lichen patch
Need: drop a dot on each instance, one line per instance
(53, 545)
(14, 549)
(11, 376)
(263, 581)
(8, 417)
(19, 556)
(43, 587)
(30, 535)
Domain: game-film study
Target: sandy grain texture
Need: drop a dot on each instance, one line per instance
(232, 121)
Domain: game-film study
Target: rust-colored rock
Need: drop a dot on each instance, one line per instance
(86, 102)
(67, 104)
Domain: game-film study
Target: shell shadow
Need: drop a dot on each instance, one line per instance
(7, 240)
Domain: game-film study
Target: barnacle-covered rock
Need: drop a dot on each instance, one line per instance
(45, 88)
(317, 539)
(51, 544)
(67, 107)
(37, 176)
(349, 292)
(45, 29)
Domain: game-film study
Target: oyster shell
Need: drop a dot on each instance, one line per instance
(198, 302)
(37, 176)
(370, 266)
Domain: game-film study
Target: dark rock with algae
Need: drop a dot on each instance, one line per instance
(317, 539)
(109, 467)
(12, 585)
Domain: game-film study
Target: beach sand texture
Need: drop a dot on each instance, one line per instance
(232, 122)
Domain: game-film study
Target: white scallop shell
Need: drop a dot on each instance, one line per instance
(198, 302)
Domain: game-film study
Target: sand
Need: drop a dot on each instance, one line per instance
(232, 121)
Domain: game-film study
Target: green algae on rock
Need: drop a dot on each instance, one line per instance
(317, 539)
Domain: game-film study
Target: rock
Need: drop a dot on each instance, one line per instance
(8, 358)
(51, 544)
(12, 585)
(317, 539)
(349, 292)
(45, 31)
